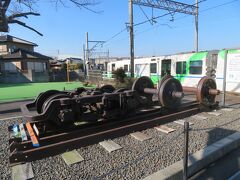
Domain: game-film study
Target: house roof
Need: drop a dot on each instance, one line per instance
(9, 38)
(24, 54)
(73, 59)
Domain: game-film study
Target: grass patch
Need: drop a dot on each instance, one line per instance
(13, 92)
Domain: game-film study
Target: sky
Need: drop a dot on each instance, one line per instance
(64, 28)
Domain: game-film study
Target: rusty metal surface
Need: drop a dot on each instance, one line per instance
(165, 77)
(170, 93)
(203, 87)
(205, 91)
(190, 89)
(150, 91)
(140, 84)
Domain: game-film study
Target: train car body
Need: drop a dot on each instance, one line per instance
(188, 67)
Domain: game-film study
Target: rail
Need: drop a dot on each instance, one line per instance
(56, 142)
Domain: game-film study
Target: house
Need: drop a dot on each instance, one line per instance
(72, 60)
(20, 63)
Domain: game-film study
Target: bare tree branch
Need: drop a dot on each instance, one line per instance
(24, 25)
(6, 4)
(85, 5)
(11, 17)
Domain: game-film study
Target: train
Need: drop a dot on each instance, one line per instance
(187, 67)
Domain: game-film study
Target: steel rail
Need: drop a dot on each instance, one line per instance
(21, 152)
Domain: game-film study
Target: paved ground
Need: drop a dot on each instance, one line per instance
(221, 169)
(11, 107)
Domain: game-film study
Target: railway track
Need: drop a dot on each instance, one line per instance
(53, 142)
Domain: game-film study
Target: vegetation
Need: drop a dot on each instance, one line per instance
(64, 66)
(119, 75)
(72, 66)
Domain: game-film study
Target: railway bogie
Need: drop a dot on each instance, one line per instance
(67, 107)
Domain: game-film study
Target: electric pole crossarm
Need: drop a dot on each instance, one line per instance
(96, 44)
(168, 5)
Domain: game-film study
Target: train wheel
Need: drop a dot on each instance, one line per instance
(43, 97)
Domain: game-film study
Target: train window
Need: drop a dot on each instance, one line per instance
(195, 67)
(125, 67)
(113, 67)
(214, 61)
(153, 67)
(181, 67)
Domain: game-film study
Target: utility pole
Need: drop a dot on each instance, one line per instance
(131, 37)
(68, 78)
(169, 5)
(89, 51)
(196, 27)
(224, 80)
(87, 56)
(84, 60)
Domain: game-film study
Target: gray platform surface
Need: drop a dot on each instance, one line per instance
(200, 159)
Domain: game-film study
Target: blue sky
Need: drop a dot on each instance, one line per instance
(64, 28)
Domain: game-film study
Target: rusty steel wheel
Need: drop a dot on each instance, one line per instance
(53, 97)
(165, 77)
(203, 87)
(166, 90)
(107, 88)
(43, 97)
(140, 84)
(120, 90)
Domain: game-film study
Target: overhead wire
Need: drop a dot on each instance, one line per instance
(157, 17)
(210, 8)
(143, 22)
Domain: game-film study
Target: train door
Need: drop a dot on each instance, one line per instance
(153, 71)
(166, 67)
(211, 64)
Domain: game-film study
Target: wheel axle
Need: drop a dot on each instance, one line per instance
(169, 90)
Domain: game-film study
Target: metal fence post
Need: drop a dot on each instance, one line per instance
(185, 151)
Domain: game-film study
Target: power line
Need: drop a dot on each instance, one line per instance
(143, 22)
(115, 35)
(213, 7)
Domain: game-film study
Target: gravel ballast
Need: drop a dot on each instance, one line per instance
(136, 159)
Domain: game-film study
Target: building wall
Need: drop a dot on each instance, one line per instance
(5, 48)
(1, 67)
(24, 77)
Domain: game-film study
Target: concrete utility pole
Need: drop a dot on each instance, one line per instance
(224, 80)
(87, 55)
(84, 60)
(196, 27)
(68, 78)
(131, 37)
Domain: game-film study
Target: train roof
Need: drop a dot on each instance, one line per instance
(179, 53)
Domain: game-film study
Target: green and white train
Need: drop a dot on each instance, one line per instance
(187, 67)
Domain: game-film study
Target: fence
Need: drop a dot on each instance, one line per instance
(61, 75)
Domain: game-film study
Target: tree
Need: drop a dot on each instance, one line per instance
(12, 10)
(119, 74)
